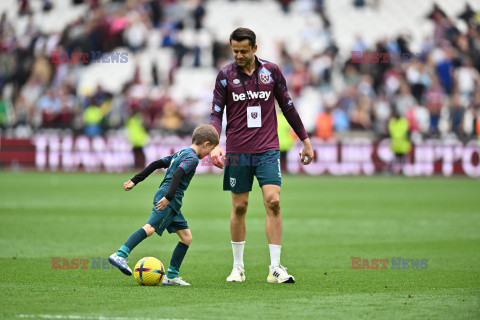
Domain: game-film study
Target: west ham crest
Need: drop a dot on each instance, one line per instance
(265, 77)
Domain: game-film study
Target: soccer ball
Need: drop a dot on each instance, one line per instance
(149, 271)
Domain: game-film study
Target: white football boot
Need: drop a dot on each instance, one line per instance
(121, 263)
(237, 275)
(174, 282)
(279, 274)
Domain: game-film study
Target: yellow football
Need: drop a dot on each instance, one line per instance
(149, 271)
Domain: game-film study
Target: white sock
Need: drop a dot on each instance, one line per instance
(237, 248)
(275, 251)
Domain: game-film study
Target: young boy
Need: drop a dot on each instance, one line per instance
(166, 212)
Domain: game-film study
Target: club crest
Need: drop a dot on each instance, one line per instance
(265, 77)
(254, 115)
(233, 182)
(236, 81)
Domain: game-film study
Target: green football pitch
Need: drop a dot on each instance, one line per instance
(327, 221)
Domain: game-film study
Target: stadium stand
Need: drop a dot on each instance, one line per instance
(174, 49)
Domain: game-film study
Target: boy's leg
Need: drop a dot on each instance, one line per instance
(134, 239)
(157, 222)
(179, 253)
(177, 258)
(119, 259)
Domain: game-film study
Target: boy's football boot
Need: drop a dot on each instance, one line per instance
(174, 282)
(121, 263)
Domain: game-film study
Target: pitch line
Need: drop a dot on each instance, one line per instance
(79, 317)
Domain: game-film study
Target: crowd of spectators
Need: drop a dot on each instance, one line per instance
(44, 89)
(438, 97)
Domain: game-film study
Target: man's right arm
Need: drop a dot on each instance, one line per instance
(218, 106)
(219, 100)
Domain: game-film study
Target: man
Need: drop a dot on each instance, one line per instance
(247, 88)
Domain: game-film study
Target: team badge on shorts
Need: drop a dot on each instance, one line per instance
(233, 182)
(265, 77)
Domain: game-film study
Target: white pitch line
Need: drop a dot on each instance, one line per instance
(79, 317)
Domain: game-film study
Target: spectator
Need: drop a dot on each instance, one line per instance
(361, 114)
(434, 99)
(24, 8)
(456, 115)
(399, 140)
(198, 14)
(49, 106)
(445, 68)
(325, 125)
(6, 112)
(171, 120)
(381, 114)
(138, 137)
(404, 100)
(92, 118)
(467, 79)
(136, 34)
(23, 112)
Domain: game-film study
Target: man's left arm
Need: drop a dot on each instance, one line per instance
(286, 104)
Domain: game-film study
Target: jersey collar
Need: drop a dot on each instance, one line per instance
(258, 65)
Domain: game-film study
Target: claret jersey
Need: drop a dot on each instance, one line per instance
(236, 92)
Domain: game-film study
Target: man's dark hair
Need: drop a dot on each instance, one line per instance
(241, 34)
(205, 133)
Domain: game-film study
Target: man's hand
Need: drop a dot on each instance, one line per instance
(306, 156)
(162, 204)
(128, 185)
(217, 156)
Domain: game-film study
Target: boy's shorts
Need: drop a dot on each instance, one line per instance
(241, 168)
(168, 219)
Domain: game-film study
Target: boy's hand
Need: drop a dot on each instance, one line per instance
(128, 185)
(162, 204)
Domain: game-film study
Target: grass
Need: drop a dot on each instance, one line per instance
(327, 220)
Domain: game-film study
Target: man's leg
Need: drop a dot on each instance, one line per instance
(238, 231)
(273, 230)
(273, 222)
(237, 218)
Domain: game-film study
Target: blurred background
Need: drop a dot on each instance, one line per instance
(148, 80)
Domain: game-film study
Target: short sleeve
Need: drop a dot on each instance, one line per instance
(167, 161)
(189, 163)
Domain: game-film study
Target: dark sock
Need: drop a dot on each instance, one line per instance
(132, 242)
(176, 261)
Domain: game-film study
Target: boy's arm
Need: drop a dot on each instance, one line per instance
(162, 163)
(188, 164)
(174, 183)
